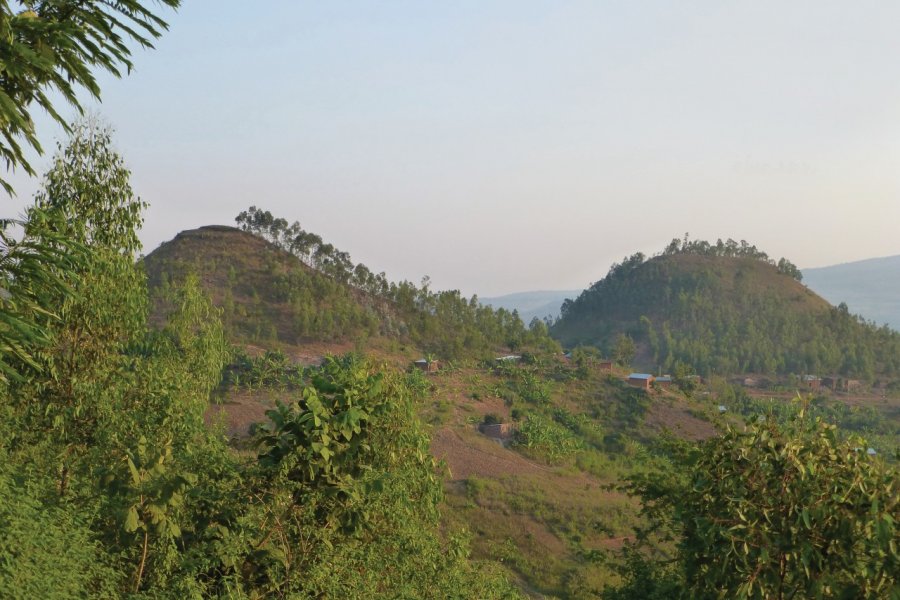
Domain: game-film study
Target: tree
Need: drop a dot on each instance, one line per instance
(53, 46)
(624, 350)
(781, 511)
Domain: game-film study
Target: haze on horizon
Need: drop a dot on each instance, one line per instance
(508, 146)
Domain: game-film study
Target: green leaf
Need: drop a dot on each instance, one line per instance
(131, 520)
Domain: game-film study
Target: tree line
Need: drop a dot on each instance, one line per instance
(441, 322)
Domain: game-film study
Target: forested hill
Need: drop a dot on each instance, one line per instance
(725, 308)
(271, 287)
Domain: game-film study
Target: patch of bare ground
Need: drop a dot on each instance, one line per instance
(479, 456)
(676, 419)
(241, 409)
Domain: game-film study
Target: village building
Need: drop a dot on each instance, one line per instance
(811, 382)
(605, 365)
(509, 358)
(428, 366)
(841, 384)
(641, 380)
(664, 381)
(500, 431)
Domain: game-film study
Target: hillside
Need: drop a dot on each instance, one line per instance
(720, 313)
(870, 287)
(266, 294)
(279, 283)
(540, 304)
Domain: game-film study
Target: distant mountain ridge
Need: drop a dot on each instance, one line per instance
(870, 288)
(540, 304)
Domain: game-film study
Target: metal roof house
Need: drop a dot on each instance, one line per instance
(641, 380)
(428, 366)
(509, 358)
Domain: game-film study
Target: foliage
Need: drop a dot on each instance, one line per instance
(545, 437)
(624, 350)
(52, 47)
(363, 486)
(272, 369)
(782, 511)
(33, 268)
(112, 485)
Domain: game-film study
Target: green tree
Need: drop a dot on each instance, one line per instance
(782, 511)
(624, 350)
(50, 47)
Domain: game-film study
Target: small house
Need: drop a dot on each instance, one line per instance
(841, 384)
(722, 408)
(664, 381)
(811, 382)
(641, 380)
(605, 365)
(500, 431)
(427, 366)
(509, 358)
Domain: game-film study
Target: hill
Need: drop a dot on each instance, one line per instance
(725, 308)
(266, 294)
(870, 287)
(530, 305)
(278, 283)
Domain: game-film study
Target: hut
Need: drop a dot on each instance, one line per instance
(664, 381)
(509, 358)
(428, 366)
(640, 380)
(500, 431)
(811, 382)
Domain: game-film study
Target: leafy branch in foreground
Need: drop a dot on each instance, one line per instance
(52, 47)
(32, 268)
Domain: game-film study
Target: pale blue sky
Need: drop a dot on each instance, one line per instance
(506, 146)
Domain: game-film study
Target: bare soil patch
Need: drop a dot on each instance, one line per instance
(680, 422)
(242, 409)
(479, 456)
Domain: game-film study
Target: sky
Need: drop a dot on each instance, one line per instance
(509, 146)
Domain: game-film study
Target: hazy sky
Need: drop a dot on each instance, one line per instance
(508, 146)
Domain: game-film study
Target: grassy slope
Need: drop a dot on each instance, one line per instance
(551, 521)
(267, 294)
